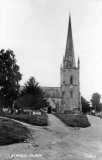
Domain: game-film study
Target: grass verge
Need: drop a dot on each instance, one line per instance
(38, 120)
(12, 132)
(100, 116)
(72, 120)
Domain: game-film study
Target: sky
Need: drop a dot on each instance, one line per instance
(36, 30)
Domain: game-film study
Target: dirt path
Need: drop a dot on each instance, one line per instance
(58, 142)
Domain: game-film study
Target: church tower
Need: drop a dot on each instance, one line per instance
(69, 72)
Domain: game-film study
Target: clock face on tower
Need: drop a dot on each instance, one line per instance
(71, 86)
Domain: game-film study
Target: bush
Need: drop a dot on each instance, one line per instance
(68, 112)
(38, 120)
(73, 120)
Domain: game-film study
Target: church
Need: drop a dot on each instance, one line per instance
(67, 96)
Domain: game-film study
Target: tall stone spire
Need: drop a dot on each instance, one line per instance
(69, 52)
(70, 85)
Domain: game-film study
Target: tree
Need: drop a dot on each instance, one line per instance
(100, 109)
(9, 78)
(85, 105)
(95, 100)
(33, 96)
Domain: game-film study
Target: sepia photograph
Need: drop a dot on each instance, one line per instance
(50, 79)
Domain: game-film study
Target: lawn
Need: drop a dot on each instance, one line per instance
(72, 120)
(12, 132)
(38, 120)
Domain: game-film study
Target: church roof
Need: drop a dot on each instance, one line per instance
(54, 92)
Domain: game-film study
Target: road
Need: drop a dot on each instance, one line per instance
(58, 142)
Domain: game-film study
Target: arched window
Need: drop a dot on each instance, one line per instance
(71, 80)
(71, 93)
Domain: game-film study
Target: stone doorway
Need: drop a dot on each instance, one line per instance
(49, 110)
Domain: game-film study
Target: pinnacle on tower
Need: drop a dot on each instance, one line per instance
(78, 62)
(69, 52)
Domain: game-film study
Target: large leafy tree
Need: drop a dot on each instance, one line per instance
(9, 78)
(95, 100)
(85, 105)
(32, 96)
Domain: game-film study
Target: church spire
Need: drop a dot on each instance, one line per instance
(69, 52)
